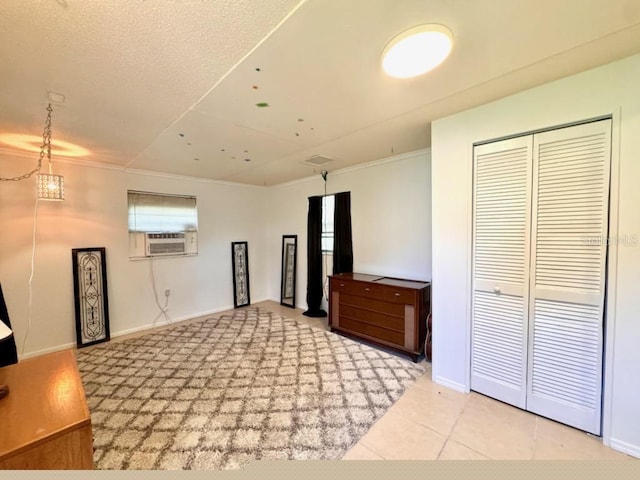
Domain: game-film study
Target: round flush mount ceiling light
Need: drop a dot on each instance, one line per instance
(417, 51)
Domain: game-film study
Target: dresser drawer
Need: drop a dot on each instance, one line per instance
(350, 287)
(393, 294)
(372, 290)
(372, 331)
(372, 304)
(389, 322)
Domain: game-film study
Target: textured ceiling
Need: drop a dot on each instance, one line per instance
(173, 86)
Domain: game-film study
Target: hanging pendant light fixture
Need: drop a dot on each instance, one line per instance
(50, 186)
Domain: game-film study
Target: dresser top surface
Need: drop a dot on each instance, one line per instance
(395, 282)
(361, 277)
(398, 282)
(46, 398)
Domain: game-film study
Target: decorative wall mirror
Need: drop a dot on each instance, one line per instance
(288, 283)
(90, 291)
(240, 265)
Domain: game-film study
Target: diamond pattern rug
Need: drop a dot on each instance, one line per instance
(219, 393)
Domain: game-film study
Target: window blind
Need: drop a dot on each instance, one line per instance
(154, 212)
(328, 207)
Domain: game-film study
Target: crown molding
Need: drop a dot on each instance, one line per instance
(134, 171)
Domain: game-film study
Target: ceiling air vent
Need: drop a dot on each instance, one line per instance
(319, 160)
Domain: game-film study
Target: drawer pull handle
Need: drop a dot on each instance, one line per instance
(397, 294)
(342, 284)
(367, 289)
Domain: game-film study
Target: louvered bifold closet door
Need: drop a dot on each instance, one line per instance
(569, 232)
(502, 186)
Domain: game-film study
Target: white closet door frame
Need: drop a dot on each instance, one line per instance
(569, 231)
(500, 292)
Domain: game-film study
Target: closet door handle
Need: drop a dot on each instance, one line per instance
(496, 290)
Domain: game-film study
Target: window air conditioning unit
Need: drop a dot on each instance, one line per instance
(158, 244)
(179, 243)
(166, 244)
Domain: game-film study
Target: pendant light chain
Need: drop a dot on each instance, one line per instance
(46, 140)
(46, 147)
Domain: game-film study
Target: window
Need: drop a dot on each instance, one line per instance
(327, 223)
(327, 240)
(161, 224)
(154, 212)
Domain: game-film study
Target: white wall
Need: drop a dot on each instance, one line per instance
(94, 214)
(608, 90)
(390, 219)
(391, 236)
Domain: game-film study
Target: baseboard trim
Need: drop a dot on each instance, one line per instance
(301, 306)
(624, 447)
(45, 351)
(183, 318)
(445, 382)
(121, 333)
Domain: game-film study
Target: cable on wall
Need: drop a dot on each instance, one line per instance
(45, 148)
(33, 268)
(163, 309)
(427, 339)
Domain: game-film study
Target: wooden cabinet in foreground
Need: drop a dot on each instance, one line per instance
(390, 312)
(44, 421)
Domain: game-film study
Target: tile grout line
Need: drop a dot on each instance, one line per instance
(535, 438)
(453, 427)
(375, 453)
(400, 413)
(463, 444)
(370, 450)
(368, 447)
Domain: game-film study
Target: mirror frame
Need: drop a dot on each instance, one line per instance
(288, 273)
(240, 265)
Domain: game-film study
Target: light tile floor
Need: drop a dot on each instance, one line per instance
(432, 422)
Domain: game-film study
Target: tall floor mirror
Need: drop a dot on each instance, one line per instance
(288, 282)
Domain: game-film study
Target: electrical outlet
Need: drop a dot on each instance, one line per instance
(167, 292)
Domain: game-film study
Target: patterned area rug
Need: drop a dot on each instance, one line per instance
(219, 393)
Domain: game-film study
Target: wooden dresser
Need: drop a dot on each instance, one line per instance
(44, 421)
(391, 312)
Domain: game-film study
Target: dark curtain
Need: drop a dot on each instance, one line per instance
(314, 258)
(8, 351)
(342, 245)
